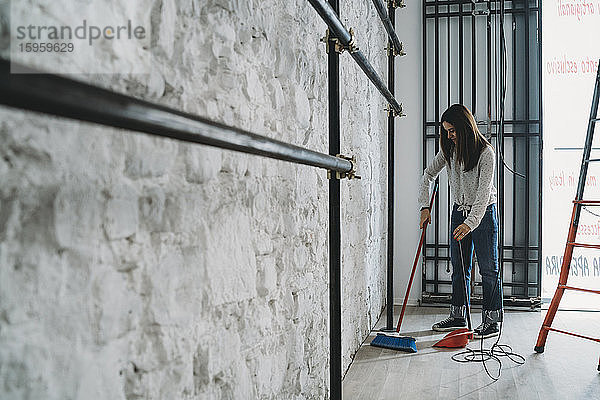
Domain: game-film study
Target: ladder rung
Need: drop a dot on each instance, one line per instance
(571, 333)
(594, 119)
(587, 202)
(587, 246)
(579, 289)
(592, 160)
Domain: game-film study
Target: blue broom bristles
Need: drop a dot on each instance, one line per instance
(402, 343)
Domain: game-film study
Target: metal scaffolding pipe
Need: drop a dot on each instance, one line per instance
(390, 183)
(388, 24)
(338, 30)
(335, 224)
(52, 94)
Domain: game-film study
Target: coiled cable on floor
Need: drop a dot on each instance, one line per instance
(495, 353)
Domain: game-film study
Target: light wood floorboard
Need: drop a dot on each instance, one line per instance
(566, 370)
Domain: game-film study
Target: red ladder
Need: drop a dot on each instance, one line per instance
(578, 203)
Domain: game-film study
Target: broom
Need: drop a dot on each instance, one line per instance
(393, 341)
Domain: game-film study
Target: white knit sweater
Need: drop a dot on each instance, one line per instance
(473, 191)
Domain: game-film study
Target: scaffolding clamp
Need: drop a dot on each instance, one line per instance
(393, 52)
(392, 112)
(341, 175)
(396, 3)
(339, 47)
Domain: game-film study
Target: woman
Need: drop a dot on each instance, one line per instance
(470, 161)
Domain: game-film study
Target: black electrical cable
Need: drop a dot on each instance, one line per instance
(497, 350)
(503, 90)
(495, 353)
(591, 212)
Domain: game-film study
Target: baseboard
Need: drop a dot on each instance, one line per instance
(411, 302)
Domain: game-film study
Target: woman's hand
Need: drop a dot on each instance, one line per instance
(425, 218)
(461, 231)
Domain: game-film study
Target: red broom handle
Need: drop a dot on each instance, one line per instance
(414, 268)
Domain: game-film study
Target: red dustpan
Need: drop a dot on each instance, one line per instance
(459, 338)
(456, 339)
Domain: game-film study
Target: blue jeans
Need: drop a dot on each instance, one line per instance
(485, 240)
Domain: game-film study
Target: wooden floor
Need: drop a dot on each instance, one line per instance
(566, 370)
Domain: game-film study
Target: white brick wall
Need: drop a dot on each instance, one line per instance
(138, 267)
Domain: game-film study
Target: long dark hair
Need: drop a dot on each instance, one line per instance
(469, 141)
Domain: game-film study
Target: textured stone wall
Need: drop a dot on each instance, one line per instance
(134, 267)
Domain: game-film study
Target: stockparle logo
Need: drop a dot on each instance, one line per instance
(80, 36)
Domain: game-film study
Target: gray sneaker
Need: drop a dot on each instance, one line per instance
(449, 324)
(486, 330)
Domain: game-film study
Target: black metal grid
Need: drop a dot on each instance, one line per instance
(463, 55)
